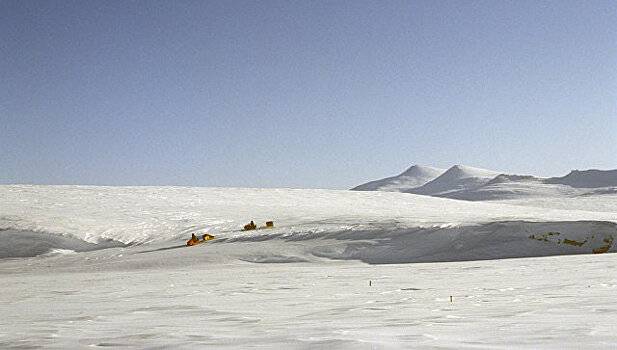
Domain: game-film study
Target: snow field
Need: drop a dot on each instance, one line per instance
(155, 214)
(563, 302)
(107, 267)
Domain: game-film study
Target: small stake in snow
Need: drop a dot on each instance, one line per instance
(450, 298)
(369, 283)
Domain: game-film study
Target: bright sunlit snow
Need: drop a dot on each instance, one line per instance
(108, 266)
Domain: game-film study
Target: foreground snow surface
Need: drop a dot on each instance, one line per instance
(565, 302)
(107, 267)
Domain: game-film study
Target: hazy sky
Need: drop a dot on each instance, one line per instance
(302, 93)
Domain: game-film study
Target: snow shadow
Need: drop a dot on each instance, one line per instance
(497, 240)
(387, 243)
(24, 244)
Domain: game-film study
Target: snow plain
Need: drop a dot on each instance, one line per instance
(305, 283)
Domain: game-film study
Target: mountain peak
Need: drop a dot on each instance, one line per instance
(414, 176)
(422, 170)
(458, 177)
(463, 171)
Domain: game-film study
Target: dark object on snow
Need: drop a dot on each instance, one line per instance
(250, 226)
(207, 237)
(194, 240)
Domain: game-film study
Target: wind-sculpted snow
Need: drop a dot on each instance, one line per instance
(21, 244)
(498, 240)
(308, 274)
(83, 218)
(386, 243)
(565, 302)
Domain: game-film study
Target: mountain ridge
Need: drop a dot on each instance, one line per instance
(474, 184)
(457, 178)
(592, 178)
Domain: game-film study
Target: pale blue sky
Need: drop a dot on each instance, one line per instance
(302, 93)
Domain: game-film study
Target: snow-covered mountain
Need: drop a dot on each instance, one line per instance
(474, 184)
(505, 187)
(575, 184)
(457, 178)
(415, 176)
(587, 179)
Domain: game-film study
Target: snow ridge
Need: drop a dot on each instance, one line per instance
(475, 184)
(592, 178)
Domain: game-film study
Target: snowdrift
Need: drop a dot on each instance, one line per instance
(23, 244)
(386, 244)
(499, 240)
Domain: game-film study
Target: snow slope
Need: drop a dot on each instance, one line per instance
(457, 178)
(415, 176)
(587, 179)
(585, 183)
(565, 302)
(386, 227)
(306, 283)
(504, 187)
(593, 202)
